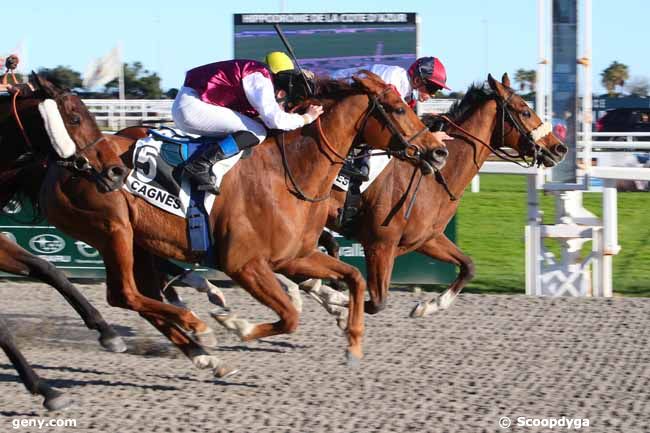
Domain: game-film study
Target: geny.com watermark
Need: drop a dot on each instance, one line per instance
(559, 423)
(41, 423)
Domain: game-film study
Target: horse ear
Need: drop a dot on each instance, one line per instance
(48, 88)
(505, 79)
(367, 80)
(492, 82)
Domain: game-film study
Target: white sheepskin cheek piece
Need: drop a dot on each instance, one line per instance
(61, 141)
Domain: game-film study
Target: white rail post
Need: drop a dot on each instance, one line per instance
(476, 183)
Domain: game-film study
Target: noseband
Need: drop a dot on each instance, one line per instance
(531, 137)
(405, 148)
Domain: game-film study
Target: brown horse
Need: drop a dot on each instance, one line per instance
(484, 121)
(23, 167)
(268, 217)
(16, 260)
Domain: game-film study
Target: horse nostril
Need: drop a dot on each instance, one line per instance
(116, 172)
(441, 153)
(561, 149)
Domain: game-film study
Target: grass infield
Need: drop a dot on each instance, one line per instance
(491, 231)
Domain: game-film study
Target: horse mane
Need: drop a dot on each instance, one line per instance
(476, 95)
(328, 91)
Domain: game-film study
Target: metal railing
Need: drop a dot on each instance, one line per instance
(113, 114)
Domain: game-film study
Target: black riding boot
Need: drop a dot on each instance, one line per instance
(199, 168)
(348, 216)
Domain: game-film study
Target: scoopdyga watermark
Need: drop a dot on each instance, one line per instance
(546, 423)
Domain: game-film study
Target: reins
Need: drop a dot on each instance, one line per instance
(407, 151)
(14, 112)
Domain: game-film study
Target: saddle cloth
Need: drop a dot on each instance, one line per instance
(155, 179)
(377, 164)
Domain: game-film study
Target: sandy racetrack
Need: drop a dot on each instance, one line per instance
(461, 370)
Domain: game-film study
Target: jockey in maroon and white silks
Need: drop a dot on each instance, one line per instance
(235, 99)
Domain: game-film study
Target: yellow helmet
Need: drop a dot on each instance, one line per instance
(278, 62)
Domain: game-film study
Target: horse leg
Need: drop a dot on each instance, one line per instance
(118, 254)
(333, 301)
(200, 284)
(441, 248)
(380, 258)
(331, 245)
(320, 265)
(16, 260)
(149, 280)
(259, 280)
(53, 399)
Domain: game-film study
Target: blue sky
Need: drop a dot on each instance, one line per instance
(170, 37)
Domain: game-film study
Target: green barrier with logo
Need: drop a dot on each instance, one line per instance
(79, 260)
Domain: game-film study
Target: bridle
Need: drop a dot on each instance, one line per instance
(404, 149)
(531, 137)
(78, 162)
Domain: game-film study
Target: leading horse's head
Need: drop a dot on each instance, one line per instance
(74, 135)
(526, 133)
(390, 124)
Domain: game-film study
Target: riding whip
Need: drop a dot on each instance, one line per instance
(284, 40)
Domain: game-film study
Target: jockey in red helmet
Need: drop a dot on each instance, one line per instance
(425, 77)
(421, 81)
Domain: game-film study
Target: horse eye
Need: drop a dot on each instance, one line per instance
(400, 111)
(526, 114)
(75, 119)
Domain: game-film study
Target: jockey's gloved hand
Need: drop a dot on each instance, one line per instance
(313, 112)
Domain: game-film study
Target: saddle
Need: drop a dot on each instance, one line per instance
(176, 147)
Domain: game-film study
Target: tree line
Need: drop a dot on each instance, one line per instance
(615, 79)
(139, 83)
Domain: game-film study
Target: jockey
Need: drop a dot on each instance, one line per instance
(423, 79)
(224, 99)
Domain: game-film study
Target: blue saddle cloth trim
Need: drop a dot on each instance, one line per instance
(175, 150)
(229, 146)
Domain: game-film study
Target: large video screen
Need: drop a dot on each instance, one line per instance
(326, 42)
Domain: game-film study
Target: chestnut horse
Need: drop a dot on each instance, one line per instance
(268, 217)
(484, 121)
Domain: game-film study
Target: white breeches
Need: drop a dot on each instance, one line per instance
(197, 117)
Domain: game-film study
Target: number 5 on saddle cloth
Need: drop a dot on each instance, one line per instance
(158, 177)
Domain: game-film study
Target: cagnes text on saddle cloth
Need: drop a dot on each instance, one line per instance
(155, 180)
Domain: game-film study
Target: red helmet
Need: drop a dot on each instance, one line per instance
(430, 70)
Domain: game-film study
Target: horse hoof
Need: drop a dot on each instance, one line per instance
(221, 313)
(217, 299)
(57, 401)
(225, 371)
(342, 321)
(113, 344)
(418, 310)
(353, 360)
(206, 339)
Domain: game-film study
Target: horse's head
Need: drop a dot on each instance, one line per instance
(520, 128)
(74, 136)
(391, 125)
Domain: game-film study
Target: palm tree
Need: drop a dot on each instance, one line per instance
(614, 75)
(526, 78)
